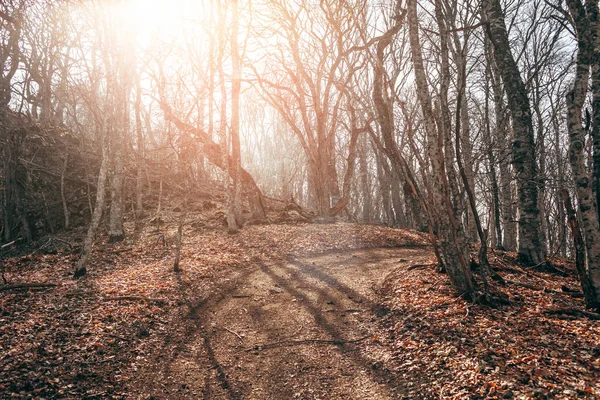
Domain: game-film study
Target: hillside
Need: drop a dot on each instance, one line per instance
(293, 310)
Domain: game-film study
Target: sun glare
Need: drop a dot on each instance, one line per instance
(149, 18)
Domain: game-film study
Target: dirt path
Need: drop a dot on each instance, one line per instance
(304, 329)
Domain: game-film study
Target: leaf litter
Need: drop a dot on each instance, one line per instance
(75, 341)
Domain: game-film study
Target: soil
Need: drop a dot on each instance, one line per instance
(285, 311)
(304, 328)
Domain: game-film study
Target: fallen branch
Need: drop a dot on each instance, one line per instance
(118, 337)
(119, 251)
(418, 266)
(293, 206)
(58, 240)
(575, 312)
(574, 294)
(233, 332)
(135, 298)
(211, 150)
(7, 245)
(26, 286)
(284, 343)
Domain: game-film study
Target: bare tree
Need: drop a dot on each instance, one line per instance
(531, 248)
(586, 24)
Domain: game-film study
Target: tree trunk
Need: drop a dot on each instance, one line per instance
(595, 132)
(236, 84)
(62, 193)
(501, 132)
(139, 193)
(116, 232)
(575, 102)
(453, 250)
(399, 215)
(319, 185)
(530, 245)
(384, 178)
(367, 210)
(492, 171)
(580, 251)
(560, 169)
(88, 242)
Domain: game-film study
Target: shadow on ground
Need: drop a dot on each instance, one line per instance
(302, 329)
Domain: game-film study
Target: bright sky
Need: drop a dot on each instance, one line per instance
(164, 18)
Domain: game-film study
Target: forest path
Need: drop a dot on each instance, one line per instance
(308, 328)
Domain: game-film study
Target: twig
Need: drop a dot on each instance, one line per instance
(7, 244)
(65, 242)
(575, 294)
(417, 266)
(118, 337)
(305, 341)
(574, 312)
(45, 244)
(467, 314)
(434, 284)
(57, 239)
(234, 332)
(135, 298)
(26, 286)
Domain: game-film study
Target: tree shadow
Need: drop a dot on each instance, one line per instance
(335, 330)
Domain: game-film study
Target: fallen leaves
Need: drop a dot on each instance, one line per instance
(518, 350)
(68, 342)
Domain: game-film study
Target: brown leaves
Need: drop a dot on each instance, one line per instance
(68, 342)
(451, 347)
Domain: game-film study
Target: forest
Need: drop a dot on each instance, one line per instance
(299, 199)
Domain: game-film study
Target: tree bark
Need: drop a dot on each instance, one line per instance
(62, 193)
(116, 232)
(501, 134)
(580, 251)
(453, 250)
(88, 242)
(583, 17)
(530, 246)
(236, 85)
(139, 193)
(487, 138)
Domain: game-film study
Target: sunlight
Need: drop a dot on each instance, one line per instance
(152, 18)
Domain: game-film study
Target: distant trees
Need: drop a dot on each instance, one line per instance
(319, 50)
(11, 24)
(14, 173)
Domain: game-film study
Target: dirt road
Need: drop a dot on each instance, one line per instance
(302, 329)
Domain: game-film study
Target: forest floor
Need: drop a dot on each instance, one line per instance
(291, 311)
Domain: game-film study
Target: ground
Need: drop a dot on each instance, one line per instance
(306, 311)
